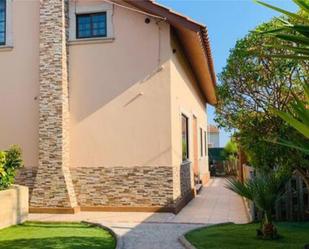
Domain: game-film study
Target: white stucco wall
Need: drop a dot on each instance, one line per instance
(19, 81)
(186, 99)
(120, 96)
(126, 93)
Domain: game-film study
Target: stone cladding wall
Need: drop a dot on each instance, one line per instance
(53, 184)
(124, 187)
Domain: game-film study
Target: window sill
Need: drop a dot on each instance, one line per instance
(91, 41)
(4, 48)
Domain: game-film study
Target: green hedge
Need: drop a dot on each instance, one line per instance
(10, 161)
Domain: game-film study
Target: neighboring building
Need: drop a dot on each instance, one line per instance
(107, 102)
(213, 136)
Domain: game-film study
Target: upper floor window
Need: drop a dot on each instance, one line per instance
(91, 25)
(2, 22)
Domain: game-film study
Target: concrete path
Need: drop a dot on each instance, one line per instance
(215, 204)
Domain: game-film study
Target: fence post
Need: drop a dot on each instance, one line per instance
(289, 201)
(300, 191)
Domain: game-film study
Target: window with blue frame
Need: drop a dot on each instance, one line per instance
(2, 21)
(91, 25)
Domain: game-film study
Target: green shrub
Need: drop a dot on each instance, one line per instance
(10, 161)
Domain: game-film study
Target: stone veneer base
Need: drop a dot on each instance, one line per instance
(176, 209)
(120, 189)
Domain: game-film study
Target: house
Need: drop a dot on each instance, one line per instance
(107, 100)
(213, 136)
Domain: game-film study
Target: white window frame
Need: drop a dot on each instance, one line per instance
(76, 8)
(9, 26)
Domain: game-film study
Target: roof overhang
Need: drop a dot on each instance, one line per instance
(194, 40)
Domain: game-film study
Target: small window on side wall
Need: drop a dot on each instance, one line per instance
(91, 25)
(2, 22)
(201, 142)
(185, 137)
(205, 143)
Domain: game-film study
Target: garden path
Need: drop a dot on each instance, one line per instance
(214, 204)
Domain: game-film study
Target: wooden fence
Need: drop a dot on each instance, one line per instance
(294, 205)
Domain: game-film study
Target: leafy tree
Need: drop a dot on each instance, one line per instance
(230, 152)
(261, 96)
(294, 32)
(231, 148)
(251, 88)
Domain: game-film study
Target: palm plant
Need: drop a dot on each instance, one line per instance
(295, 31)
(299, 119)
(263, 190)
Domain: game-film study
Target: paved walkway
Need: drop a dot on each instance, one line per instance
(215, 204)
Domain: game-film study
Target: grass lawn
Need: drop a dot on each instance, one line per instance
(32, 235)
(230, 236)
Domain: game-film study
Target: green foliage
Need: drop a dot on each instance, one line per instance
(184, 150)
(10, 161)
(2, 164)
(231, 149)
(294, 31)
(230, 153)
(299, 120)
(263, 190)
(298, 48)
(251, 88)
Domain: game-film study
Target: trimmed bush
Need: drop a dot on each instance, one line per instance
(10, 161)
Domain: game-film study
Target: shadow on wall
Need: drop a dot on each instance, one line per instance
(92, 97)
(185, 70)
(102, 72)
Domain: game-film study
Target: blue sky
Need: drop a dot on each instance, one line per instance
(227, 21)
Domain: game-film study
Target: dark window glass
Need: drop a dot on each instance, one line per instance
(2, 21)
(185, 137)
(201, 142)
(91, 25)
(205, 142)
